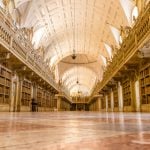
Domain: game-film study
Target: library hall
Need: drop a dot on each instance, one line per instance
(74, 74)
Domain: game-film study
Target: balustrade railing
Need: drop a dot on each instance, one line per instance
(137, 35)
(14, 39)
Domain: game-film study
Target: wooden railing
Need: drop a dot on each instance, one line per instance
(13, 39)
(138, 35)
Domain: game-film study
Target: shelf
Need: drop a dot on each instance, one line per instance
(5, 85)
(103, 103)
(126, 92)
(145, 84)
(109, 100)
(26, 93)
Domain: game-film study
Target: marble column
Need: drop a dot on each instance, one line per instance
(112, 100)
(137, 95)
(58, 103)
(13, 93)
(19, 93)
(34, 91)
(120, 97)
(99, 104)
(106, 99)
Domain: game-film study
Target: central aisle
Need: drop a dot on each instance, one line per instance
(74, 131)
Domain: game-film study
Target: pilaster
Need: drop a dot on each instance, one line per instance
(19, 93)
(112, 100)
(58, 103)
(137, 95)
(13, 95)
(120, 97)
(106, 99)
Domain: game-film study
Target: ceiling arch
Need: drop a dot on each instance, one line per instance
(80, 79)
(75, 91)
(70, 76)
(61, 26)
(58, 57)
(78, 76)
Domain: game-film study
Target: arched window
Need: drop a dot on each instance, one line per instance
(135, 14)
(1, 4)
(120, 39)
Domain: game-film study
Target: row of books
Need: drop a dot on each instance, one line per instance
(25, 102)
(145, 90)
(145, 72)
(2, 80)
(26, 84)
(145, 81)
(127, 102)
(26, 90)
(4, 100)
(145, 99)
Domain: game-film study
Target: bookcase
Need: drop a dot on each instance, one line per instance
(66, 106)
(53, 101)
(26, 93)
(145, 85)
(45, 99)
(103, 103)
(48, 99)
(126, 92)
(63, 105)
(109, 101)
(5, 85)
(115, 95)
(39, 96)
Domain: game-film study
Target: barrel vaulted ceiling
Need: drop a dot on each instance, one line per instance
(90, 27)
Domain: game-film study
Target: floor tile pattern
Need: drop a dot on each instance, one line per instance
(74, 131)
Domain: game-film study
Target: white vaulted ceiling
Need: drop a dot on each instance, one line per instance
(90, 27)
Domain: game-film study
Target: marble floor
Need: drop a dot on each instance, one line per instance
(74, 131)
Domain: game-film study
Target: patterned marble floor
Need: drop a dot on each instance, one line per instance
(74, 131)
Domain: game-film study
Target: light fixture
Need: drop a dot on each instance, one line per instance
(74, 53)
(77, 81)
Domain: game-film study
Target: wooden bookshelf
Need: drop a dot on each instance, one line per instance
(5, 85)
(103, 103)
(115, 95)
(48, 99)
(109, 101)
(45, 99)
(62, 105)
(53, 102)
(145, 84)
(39, 96)
(26, 93)
(127, 92)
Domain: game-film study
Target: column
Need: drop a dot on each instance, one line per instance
(94, 106)
(112, 100)
(133, 95)
(106, 99)
(137, 95)
(13, 93)
(99, 105)
(34, 91)
(58, 103)
(19, 93)
(120, 97)
(34, 102)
